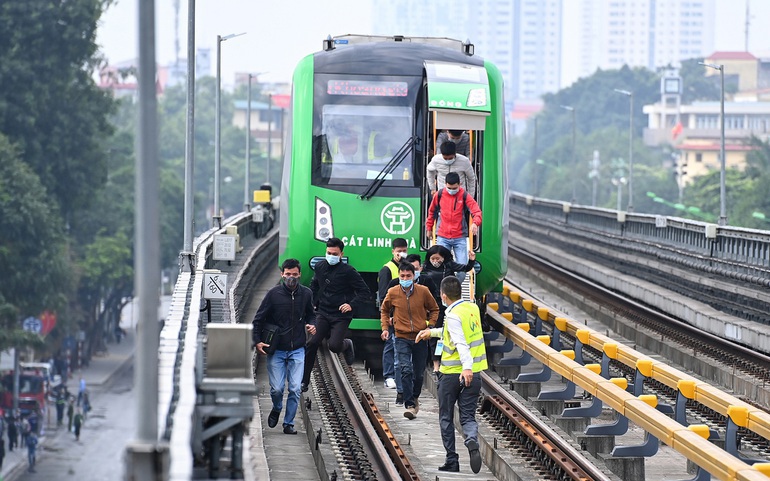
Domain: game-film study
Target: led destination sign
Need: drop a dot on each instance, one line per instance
(367, 88)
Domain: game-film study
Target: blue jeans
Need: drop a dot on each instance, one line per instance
(412, 357)
(390, 360)
(279, 365)
(459, 247)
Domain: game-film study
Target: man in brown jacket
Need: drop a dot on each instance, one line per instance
(412, 308)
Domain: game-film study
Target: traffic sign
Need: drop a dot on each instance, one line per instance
(32, 324)
(224, 247)
(214, 285)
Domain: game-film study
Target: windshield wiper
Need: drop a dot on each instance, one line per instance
(394, 162)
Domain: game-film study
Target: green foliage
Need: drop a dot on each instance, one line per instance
(34, 257)
(49, 104)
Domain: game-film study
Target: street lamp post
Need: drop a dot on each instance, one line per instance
(246, 199)
(619, 182)
(217, 218)
(574, 165)
(722, 160)
(630, 95)
(269, 134)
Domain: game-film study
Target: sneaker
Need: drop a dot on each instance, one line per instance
(390, 383)
(272, 419)
(416, 406)
(399, 399)
(304, 387)
(411, 413)
(350, 352)
(289, 429)
(473, 450)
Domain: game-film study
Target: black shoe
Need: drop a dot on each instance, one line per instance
(450, 467)
(289, 429)
(272, 420)
(399, 399)
(304, 387)
(473, 450)
(350, 353)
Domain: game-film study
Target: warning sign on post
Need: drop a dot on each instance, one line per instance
(214, 285)
(224, 247)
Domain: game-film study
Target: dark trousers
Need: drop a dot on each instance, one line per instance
(411, 361)
(450, 392)
(326, 326)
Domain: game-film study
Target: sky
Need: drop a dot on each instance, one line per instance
(280, 33)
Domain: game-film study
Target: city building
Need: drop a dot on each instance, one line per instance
(694, 130)
(640, 33)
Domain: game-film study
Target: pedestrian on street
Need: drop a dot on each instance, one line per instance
(31, 450)
(283, 317)
(336, 287)
(60, 403)
(81, 390)
(78, 424)
(13, 431)
(2, 450)
(389, 272)
(463, 358)
(70, 413)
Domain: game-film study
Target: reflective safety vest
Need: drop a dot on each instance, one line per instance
(393, 269)
(474, 337)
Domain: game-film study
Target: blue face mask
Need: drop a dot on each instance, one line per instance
(450, 161)
(405, 283)
(452, 191)
(332, 260)
(416, 275)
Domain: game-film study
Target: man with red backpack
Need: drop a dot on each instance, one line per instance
(449, 210)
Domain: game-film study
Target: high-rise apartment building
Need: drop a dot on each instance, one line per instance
(521, 37)
(641, 33)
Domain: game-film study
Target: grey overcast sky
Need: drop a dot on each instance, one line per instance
(280, 33)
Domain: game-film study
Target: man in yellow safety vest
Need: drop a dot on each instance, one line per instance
(463, 357)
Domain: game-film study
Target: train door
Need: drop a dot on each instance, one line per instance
(458, 102)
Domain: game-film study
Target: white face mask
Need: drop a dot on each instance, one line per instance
(402, 255)
(455, 141)
(332, 260)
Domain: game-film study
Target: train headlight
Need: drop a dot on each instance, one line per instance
(323, 221)
(477, 98)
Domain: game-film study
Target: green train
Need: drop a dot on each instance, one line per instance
(364, 118)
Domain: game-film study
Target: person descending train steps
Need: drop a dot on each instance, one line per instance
(447, 162)
(336, 286)
(448, 211)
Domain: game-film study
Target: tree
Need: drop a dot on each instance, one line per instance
(34, 256)
(49, 104)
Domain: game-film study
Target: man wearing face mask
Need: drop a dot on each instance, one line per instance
(289, 307)
(458, 137)
(448, 211)
(412, 308)
(449, 161)
(389, 272)
(336, 286)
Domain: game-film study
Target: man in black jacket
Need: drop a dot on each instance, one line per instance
(285, 313)
(335, 285)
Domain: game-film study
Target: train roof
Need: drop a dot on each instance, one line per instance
(389, 56)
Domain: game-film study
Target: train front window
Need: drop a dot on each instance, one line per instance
(355, 142)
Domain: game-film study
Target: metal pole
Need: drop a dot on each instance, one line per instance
(15, 381)
(534, 158)
(722, 167)
(189, 147)
(146, 458)
(574, 162)
(216, 218)
(246, 199)
(620, 194)
(630, 152)
(283, 140)
(269, 133)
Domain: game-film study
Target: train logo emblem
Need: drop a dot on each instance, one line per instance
(397, 217)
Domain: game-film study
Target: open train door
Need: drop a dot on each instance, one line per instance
(459, 99)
